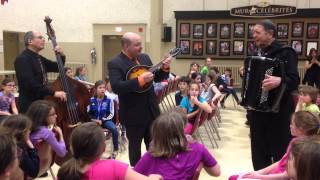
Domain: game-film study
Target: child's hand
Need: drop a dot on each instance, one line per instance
(252, 175)
(194, 99)
(57, 129)
(99, 122)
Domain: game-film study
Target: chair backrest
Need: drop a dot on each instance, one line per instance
(197, 122)
(46, 156)
(203, 117)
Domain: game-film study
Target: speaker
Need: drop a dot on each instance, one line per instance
(167, 34)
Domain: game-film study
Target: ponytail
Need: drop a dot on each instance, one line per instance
(71, 170)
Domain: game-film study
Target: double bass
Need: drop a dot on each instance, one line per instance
(74, 111)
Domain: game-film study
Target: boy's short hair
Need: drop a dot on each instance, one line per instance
(185, 79)
(311, 91)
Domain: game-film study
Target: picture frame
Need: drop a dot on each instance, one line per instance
(198, 30)
(238, 47)
(211, 30)
(185, 30)
(225, 31)
(185, 46)
(312, 30)
(283, 43)
(224, 48)
(239, 30)
(197, 48)
(282, 30)
(211, 47)
(309, 45)
(297, 29)
(250, 30)
(297, 45)
(251, 48)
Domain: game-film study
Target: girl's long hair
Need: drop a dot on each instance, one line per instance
(87, 145)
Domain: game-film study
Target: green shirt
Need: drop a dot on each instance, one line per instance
(311, 108)
(204, 70)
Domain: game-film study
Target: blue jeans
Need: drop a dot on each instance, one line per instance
(112, 127)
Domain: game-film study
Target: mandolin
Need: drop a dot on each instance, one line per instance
(137, 70)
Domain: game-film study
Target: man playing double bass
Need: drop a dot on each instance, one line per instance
(137, 110)
(31, 71)
(270, 132)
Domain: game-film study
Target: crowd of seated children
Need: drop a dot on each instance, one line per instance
(307, 99)
(7, 99)
(303, 123)
(43, 116)
(8, 154)
(20, 127)
(170, 154)
(191, 105)
(101, 111)
(88, 144)
(211, 93)
(304, 159)
(183, 88)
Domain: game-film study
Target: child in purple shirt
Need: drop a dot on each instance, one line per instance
(303, 124)
(7, 99)
(43, 116)
(88, 144)
(170, 154)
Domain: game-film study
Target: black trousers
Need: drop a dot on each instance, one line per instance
(270, 134)
(135, 134)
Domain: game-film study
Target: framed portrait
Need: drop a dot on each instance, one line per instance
(225, 31)
(312, 30)
(297, 29)
(224, 48)
(297, 46)
(251, 48)
(238, 47)
(185, 46)
(197, 48)
(238, 29)
(310, 45)
(198, 31)
(250, 30)
(282, 30)
(211, 47)
(185, 30)
(212, 30)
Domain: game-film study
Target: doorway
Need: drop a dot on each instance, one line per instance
(12, 46)
(111, 47)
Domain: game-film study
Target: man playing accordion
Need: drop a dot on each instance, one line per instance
(270, 131)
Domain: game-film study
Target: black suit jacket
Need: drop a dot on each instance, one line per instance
(135, 109)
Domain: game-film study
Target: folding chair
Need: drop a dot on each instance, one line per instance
(46, 156)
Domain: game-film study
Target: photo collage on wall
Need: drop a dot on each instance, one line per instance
(234, 40)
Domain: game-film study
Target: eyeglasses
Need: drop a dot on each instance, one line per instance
(52, 114)
(11, 85)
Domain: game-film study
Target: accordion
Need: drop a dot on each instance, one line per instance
(253, 96)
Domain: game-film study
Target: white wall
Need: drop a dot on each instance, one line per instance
(73, 19)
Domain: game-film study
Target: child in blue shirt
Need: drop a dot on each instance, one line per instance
(101, 110)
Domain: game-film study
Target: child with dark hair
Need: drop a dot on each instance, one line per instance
(303, 123)
(170, 154)
(44, 117)
(228, 89)
(308, 99)
(191, 105)
(20, 127)
(87, 145)
(68, 72)
(183, 86)
(8, 154)
(304, 159)
(101, 110)
(7, 99)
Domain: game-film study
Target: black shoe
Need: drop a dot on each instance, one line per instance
(247, 123)
(44, 174)
(222, 105)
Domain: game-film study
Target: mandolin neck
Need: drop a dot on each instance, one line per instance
(155, 67)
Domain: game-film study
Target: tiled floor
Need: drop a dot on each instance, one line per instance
(233, 153)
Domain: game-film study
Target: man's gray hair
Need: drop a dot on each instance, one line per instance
(125, 41)
(27, 37)
(268, 26)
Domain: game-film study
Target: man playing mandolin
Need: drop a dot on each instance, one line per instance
(137, 101)
(31, 70)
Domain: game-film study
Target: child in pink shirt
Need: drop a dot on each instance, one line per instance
(88, 144)
(303, 123)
